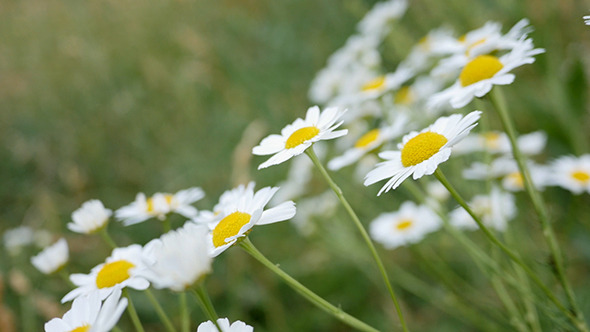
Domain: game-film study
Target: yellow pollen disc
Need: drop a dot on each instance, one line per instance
(375, 84)
(404, 96)
(479, 69)
(422, 147)
(491, 139)
(479, 42)
(229, 226)
(404, 224)
(150, 205)
(516, 178)
(367, 139)
(581, 176)
(113, 273)
(83, 328)
(300, 136)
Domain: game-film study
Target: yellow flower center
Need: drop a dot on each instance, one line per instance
(229, 226)
(404, 224)
(422, 147)
(374, 84)
(491, 139)
(113, 273)
(301, 135)
(404, 96)
(479, 69)
(150, 202)
(462, 38)
(516, 179)
(581, 176)
(424, 43)
(367, 139)
(83, 328)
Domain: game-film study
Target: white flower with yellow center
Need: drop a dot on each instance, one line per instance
(124, 268)
(236, 218)
(571, 173)
(228, 197)
(237, 326)
(52, 258)
(506, 169)
(301, 134)
(369, 142)
(483, 72)
(159, 205)
(90, 314)
(498, 142)
(495, 210)
(406, 226)
(90, 217)
(421, 152)
(178, 259)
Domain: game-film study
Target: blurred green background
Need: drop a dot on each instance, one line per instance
(104, 99)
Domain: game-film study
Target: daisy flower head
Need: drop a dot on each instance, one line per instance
(498, 142)
(228, 197)
(52, 258)
(376, 21)
(89, 313)
(481, 73)
(236, 218)
(159, 205)
(421, 152)
(571, 173)
(124, 268)
(90, 217)
(406, 226)
(237, 326)
(178, 259)
(506, 169)
(300, 135)
(495, 210)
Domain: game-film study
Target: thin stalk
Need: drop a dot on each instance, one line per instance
(132, 312)
(508, 303)
(107, 238)
(166, 226)
(315, 299)
(497, 99)
(160, 311)
(206, 304)
(185, 323)
(362, 230)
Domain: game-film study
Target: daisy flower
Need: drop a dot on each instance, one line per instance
(369, 142)
(571, 173)
(159, 205)
(406, 226)
(90, 217)
(421, 152)
(376, 21)
(506, 169)
(498, 142)
(124, 268)
(88, 313)
(483, 72)
(178, 259)
(52, 258)
(237, 326)
(236, 218)
(586, 19)
(495, 210)
(300, 135)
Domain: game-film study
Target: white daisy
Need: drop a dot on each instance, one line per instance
(159, 205)
(52, 258)
(376, 21)
(571, 173)
(483, 72)
(586, 19)
(124, 268)
(498, 142)
(436, 43)
(90, 217)
(236, 218)
(407, 225)
(88, 314)
(178, 259)
(237, 326)
(300, 135)
(369, 142)
(421, 152)
(16, 238)
(228, 197)
(495, 210)
(506, 169)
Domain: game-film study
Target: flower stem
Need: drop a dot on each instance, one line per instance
(362, 230)
(318, 301)
(160, 311)
(497, 99)
(107, 238)
(132, 312)
(206, 304)
(184, 318)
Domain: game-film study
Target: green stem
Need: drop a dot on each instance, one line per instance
(160, 311)
(318, 301)
(132, 312)
(497, 99)
(439, 175)
(206, 304)
(184, 318)
(107, 238)
(362, 230)
(166, 226)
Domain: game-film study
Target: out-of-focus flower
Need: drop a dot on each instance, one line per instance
(16, 238)
(498, 142)
(495, 210)
(90, 217)
(571, 173)
(237, 326)
(52, 258)
(506, 169)
(377, 20)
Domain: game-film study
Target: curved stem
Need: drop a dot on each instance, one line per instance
(132, 312)
(206, 304)
(160, 311)
(361, 230)
(318, 301)
(107, 238)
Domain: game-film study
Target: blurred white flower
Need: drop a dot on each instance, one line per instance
(16, 238)
(237, 326)
(571, 173)
(498, 142)
(89, 218)
(52, 258)
(495, 210)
